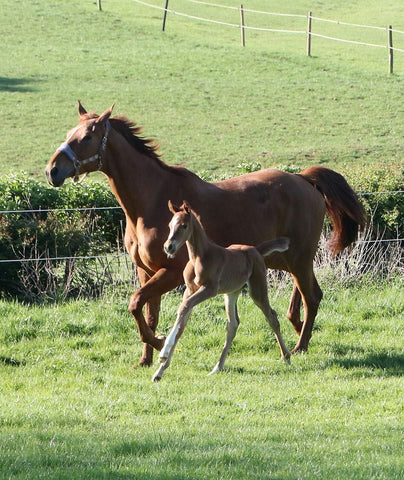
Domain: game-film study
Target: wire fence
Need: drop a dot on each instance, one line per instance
(307, 30)
(118, 255)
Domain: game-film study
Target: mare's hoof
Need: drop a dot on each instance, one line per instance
(160, 340)
(143, 362)
(299, 349)
(286, 360)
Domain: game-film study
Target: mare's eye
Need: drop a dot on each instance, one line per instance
(184, 226)
(86, 138)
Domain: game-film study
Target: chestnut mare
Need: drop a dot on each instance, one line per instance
(248, 209)
(211, 270)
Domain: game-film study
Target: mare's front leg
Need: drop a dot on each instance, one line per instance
(184, 311)
(151, 314)
(161, 282)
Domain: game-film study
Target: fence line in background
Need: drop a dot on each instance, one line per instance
(308, 31)
(47, 210)
(125, 254)
(93, 257)
(83, 209)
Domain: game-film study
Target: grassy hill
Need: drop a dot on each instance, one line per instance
(211, 103)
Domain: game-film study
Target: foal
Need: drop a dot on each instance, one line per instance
(212, 269)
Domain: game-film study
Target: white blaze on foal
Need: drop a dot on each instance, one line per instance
(212, 269)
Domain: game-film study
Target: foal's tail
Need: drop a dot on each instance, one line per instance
(280, 244)
(343, 206)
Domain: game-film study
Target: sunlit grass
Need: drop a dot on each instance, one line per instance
(71, 407)
(211, 103)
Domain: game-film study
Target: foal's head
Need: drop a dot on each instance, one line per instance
(180, 228)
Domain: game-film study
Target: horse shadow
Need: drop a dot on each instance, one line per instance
(8, 84)
(390, 364)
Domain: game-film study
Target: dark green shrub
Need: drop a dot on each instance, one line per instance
(381, 188)
(52, 234)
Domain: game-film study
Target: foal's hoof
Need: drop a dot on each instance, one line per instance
(156, 377)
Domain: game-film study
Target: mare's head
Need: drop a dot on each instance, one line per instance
(83, 149)
(180, 228)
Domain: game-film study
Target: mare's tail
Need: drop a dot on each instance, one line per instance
(280, 244)
(343, 206)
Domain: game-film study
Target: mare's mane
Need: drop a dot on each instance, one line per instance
(131, 132)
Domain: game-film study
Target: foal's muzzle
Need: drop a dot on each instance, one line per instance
(170, 249)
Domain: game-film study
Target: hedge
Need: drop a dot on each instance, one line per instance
(65, 234)
(55, 233)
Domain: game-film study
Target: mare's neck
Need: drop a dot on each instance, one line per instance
(198, 243)
(134, 178)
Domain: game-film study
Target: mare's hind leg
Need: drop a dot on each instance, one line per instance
(259, 294)
(312, 295)
(293, 313)
(233, 322)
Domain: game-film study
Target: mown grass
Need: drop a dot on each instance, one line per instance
(72, 408)
(211, 103)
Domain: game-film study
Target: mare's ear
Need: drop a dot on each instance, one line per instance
(104, 116)
(173, 208)
(82, 110)
(186, 206)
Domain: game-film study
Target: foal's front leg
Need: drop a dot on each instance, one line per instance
(184, 311)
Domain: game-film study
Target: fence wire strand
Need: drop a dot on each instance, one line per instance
(263, 29)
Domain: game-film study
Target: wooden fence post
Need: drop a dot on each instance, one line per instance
(308, 46)
(390, 30)
(99, 5)
(242, 25)
(165, 16)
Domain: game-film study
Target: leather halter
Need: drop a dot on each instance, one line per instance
(67, 150)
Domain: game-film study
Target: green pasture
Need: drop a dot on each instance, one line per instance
(71, 407)
(211, 103)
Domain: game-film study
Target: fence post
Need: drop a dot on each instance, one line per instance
(242, 25)
(390, 30)
(99, 5)
(165, 16)
(308, 46)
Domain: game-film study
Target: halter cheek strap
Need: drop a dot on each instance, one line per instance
(67, 150)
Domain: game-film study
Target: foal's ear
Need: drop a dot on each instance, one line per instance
(82, 110)
(173, 208)
(104, 116)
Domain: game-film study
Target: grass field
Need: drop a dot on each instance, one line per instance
(70, 406)
(211, 103)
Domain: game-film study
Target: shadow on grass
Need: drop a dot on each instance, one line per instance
(391, 365)
(16, 84)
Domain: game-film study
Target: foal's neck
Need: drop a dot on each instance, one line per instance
(198, 243)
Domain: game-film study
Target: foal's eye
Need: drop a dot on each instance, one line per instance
(184, 226)
(86, 138)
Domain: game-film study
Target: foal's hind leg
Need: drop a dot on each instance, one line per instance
(233, 322)
(259, 294)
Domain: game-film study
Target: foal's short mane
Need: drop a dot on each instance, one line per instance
(131, 131)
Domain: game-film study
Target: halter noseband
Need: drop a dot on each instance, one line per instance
(67, 150)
